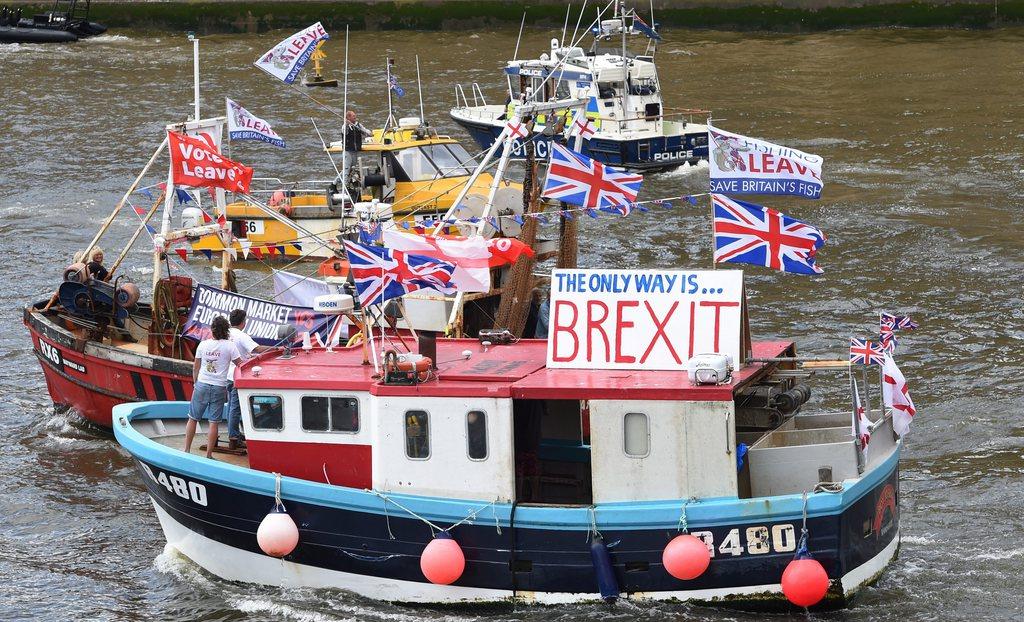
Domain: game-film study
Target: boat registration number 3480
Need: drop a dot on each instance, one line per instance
(756, 540)
(190, 491)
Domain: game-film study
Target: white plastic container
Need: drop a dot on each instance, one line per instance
(709, 368)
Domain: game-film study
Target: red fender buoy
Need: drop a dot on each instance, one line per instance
(442, 561)
(277, 535)
(686, 557)
(805, 582)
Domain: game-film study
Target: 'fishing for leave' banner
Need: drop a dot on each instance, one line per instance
(244, 125)
(742, 165)
(262, 318)
(288, 57)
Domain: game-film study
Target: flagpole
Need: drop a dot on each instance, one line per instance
(856, 424)
(195, 71)
(344, 129)
(712, 200)
(867, 389)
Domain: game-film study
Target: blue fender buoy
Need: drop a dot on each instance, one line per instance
(606, 582)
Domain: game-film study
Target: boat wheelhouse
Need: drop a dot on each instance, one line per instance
(628, 126)
(558, 484)
(407, 172)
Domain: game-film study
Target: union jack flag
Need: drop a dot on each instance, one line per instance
(896, 322)
(888, 324)
(866, 352)
(748, 233)
(576, 179)
(381, 274)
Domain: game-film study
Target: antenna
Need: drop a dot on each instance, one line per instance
(195, 72)
(344, 128)
(579, 19)
(419, 89)
(391, 112)
(565, 25)
(515, 55)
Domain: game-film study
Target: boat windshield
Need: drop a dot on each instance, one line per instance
(432, 162)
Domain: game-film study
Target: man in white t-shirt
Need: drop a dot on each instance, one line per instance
(246, 348)
(214, 357)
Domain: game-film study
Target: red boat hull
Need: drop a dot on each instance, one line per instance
(92, 377)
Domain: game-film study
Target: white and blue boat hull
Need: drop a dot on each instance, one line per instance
(356, 540)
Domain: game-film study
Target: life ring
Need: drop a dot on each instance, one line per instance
(421, 365)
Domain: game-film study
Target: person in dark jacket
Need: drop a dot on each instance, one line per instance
(354, 135)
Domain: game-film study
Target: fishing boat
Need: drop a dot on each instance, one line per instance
(99, 344)
(68, 21)
(626, 121)
(593, 466)
(406, 173)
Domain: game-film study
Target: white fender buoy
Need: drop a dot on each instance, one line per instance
(277, 534)
(442, 561)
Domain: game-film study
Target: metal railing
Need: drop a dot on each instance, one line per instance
(478, 96)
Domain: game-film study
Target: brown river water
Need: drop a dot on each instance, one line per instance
(924, 162)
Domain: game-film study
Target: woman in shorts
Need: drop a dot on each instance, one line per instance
(214, 357)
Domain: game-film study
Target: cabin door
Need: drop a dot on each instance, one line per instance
(552, 452)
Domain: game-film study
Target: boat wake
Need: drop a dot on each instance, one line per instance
(687, 169)
(106, 38)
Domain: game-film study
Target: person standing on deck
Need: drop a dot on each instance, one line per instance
(246, 348)
(354, 134)
(214, 357)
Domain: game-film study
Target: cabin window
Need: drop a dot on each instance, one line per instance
(417, 434)
(414, 165)
(562, 90)
(636, 435)
(449, 163)
(476, 434)
(335, 414)
(267, 412)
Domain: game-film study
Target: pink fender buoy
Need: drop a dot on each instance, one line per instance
(805, 582)
(442, 561)
(686, 557)
(277, 536)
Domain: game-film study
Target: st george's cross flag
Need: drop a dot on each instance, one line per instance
(860, 420)
(748, 233)
(865, 352)
(896, 395)
(381, 274)
(574, 178)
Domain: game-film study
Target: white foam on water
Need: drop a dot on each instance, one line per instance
(106, 38)
(916, 540)
(998, 555)
(687, 169)
(282, 612)
(171, 562)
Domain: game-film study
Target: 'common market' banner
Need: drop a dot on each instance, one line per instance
(262, 318)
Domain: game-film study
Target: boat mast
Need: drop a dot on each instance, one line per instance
(391, 112)
(195, 73)
(625, 67)
(419, 90)
(344, 129)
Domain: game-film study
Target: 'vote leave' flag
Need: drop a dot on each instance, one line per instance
(196, 163)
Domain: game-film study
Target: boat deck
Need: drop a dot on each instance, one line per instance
(174, 437)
